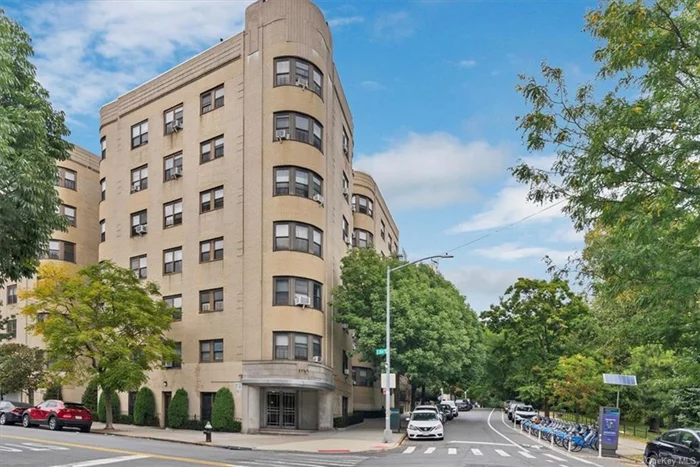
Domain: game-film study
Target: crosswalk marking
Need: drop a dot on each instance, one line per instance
(409, 450)
(554, 457)
(527, 454)
(452, 451)
(110, 460)
(477, 452)
(429, 451)
(47, 446)
(304, 460)
(502, 453)
(28, 448)
(9, 449)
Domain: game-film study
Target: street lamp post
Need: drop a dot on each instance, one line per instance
(387, 397)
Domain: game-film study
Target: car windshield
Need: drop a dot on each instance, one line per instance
(21, 405)
(526, 408)
(423, 416)
(73, 405)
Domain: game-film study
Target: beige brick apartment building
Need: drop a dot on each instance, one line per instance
(229, 181)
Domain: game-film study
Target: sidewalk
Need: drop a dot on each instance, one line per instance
(366, 436)
(630, 448)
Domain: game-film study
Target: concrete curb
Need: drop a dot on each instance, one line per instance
(192, 443)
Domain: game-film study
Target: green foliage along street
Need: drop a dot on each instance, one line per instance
(179, 409)
(22, 368)
(145, 408)
(223, 412)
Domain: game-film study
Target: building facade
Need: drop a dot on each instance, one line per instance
(229, 182)
(78, 186)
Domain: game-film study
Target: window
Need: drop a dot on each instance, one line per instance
(205, 149)
(11, 294)
(175, 302)
(211, 351)
(103, 189)
(139, 223)
(139, 134)
(346, 230)
(362, 238)
(103, 147)
(362, 204)
(173, 119)
(139, 178)
(69, 212)
(346, 144)
(390, 244)
(211, 250)
(211, 300)
(299, 127)
(298, 237)
(12, 328)
(288, 289)
(216, 95)
(139, 264)
(61, 250)
(66, 178)
(346, 187)
(178, 361)
(298, 182)
(688, 439)
(382, 230)
(306, 346)
(172, 260)
(363, 376)
(103, 231)
(173, 167)
(172, 213)
(205, 199)
(298, 72)
(346, 361)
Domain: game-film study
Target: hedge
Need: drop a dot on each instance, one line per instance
(145, 408)
(351, 419)
(102, 411)
(89, 398)
(178, 411)
(223, 413)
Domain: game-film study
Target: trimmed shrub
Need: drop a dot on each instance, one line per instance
(124, 419)
(193, 424)
(102, 411)
(350, 420)
(53, 392)
(89, 399)
(145, 408)
(178, 410)
(223, 413)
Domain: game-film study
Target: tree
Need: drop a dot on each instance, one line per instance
(431, 322)
(53, 391)
(22, 368)
(626, 160)
(89, 398)
(101, 323)
(223, 412)
(539, 321)
(145, 408)
(578, 385)
(179, 409)
(31, 142)
(115, 405)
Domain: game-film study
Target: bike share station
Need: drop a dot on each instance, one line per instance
(609, 417)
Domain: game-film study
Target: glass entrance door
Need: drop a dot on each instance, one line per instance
(281, 409)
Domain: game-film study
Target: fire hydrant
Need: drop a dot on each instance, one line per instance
(207, 432)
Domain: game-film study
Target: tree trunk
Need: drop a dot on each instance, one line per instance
(654, 425)
(108, 410)
(414, 391)
(422, 394)
(546, 408)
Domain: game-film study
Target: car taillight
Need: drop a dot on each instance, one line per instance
(18, 411)
(64, 414)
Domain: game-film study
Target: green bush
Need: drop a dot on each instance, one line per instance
(53, 392)
(145, 408)
(350, 420)
(223, 413)
(124, 419)
(89, 399)
(178, 410)
(102, 411)
(196, 425)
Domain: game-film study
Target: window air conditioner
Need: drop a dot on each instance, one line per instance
(218, 306)
(177, 125)
(346, 191)
(345, 147)
(346, 371)
(281, 135)
(354, 208)
(168, 365)
(318, 198)
(317, 359)
(205, 306)
(302, 300)
(177, 172)
(135, 187)
(303, 83)
(141, 229)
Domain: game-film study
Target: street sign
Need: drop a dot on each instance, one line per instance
(392, 382)
(380, 352)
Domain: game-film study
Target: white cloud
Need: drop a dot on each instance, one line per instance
(87, 53)
(513, 252)
(433, 170)
(372, 85)
(482, 285)
(394, 26)
(510, 205)
(567, 235)
(466, 63)
(345, 21)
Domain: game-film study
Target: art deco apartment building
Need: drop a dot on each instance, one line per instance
(229, 182)
(78, 186)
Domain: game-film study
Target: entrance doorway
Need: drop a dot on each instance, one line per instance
(281, 409)
(167, 397)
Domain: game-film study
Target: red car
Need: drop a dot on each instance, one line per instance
(58, 414)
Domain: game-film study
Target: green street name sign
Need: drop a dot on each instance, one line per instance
(380, 352)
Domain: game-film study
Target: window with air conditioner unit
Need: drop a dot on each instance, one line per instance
(172, 167)
(290, 71)
(319, 199)
(302, 300)
(296, 346)
(173, 119)
(139, 221)
(211, 300)
(287, 292)
(139, 178)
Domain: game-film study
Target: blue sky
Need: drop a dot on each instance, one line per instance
(431, 85)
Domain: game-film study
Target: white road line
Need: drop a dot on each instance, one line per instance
(28, 448)
(488, 420)
(409, 450)
(9, 449)
(563, 465)
(477, 452)
(285, 463)
(429, 451)
(451, 450)
(552, 456)
(47, 446)
(110, 460)
(529, 456)
(502, 453)
(480, 442)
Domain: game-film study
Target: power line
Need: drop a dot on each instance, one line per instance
(501, 229)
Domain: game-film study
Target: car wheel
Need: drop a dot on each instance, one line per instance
(85, 429)
(54, 425)
(651, 460)
(26, 422)
(3, 419)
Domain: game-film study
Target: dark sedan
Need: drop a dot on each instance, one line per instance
(447, 410)
(674, 447)
(11, 412)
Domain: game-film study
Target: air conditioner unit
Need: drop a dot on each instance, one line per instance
(177, 125)
(346, 191)
(302, 300)
(303, 83)
(219, 306)
(281, 135)
(319, 199)
(348, 242)
(141, 229)
(317, 359)
(345, 147)
(346, 371)
(135, 187)
(168, 365)
(354, 208)
(345, 326)
(177, 172)
(205, 306)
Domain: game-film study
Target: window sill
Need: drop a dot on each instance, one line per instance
(166, 227)
(210, 111)
(299, 306)
(171, 273)
(203, 312)
(139, 146)
(297, 251)
(294, 85)
(301, 142)
(211, 210)
(211, 261)
(201, 162)
(310, 198)
(211, 361)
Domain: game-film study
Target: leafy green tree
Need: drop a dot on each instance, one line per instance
(53, 392)
(22, 368)
(102, 406)
(102, 323)
(31, 142)
(223, 412)
(539, 321)
(145, 408)
(578, 384)
(89, 398)
(179, 409)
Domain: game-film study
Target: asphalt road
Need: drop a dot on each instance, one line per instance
(476, 438)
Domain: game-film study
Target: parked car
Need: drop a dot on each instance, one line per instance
(523, 412)
(674, 447)
(433, 408)
(447, 410)
(57, 415)
(506, 404)
(455, 410)
(425, 424)
(463, 405)
(511, 408)
(11, 412)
